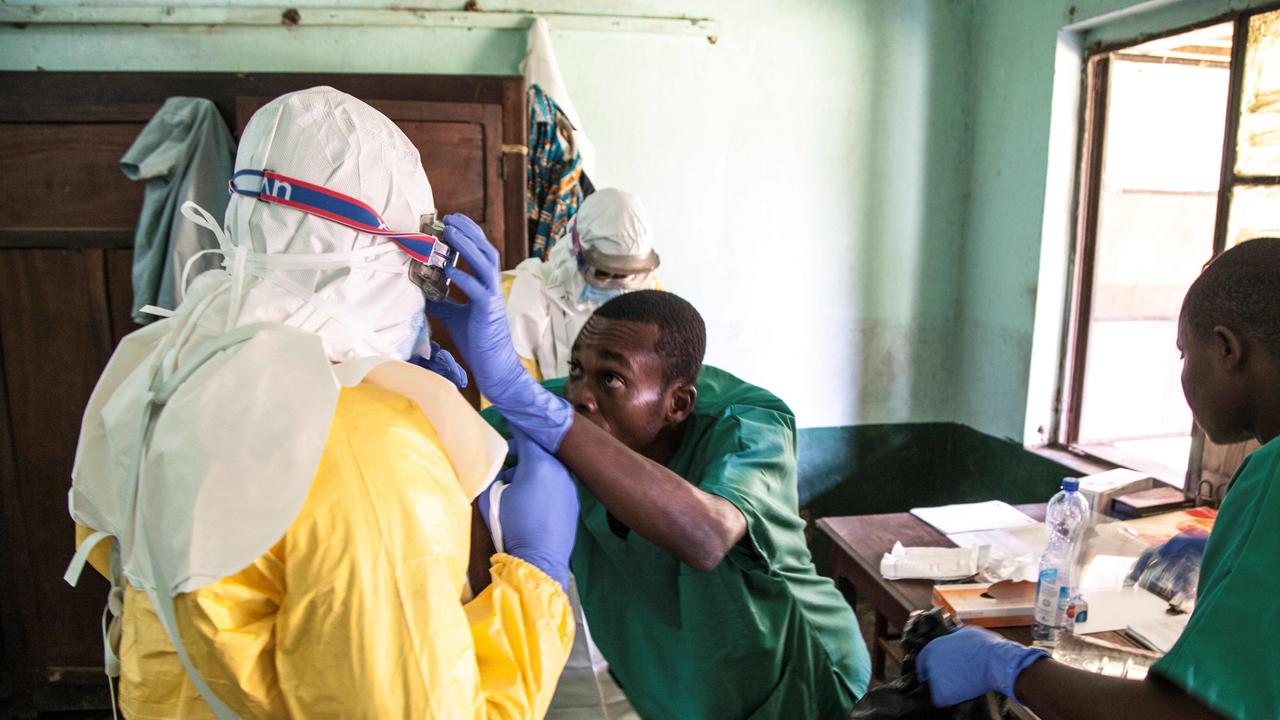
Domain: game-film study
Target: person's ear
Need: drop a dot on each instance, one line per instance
(683, 397)
(1228, 350)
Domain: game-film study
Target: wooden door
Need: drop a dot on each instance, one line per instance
(65, 295)
(66, 236)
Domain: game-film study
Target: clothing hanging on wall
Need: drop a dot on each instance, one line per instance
(541, 68)
(184, 153)
(557, 184)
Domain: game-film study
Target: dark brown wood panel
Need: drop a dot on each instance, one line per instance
(498, 103)
(67, 176)
(55, 339)
(66, 234)
(120, 293)
(453, 156)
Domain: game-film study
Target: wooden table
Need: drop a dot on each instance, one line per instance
(860, 542)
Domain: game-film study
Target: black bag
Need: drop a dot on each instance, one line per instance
(907, 698)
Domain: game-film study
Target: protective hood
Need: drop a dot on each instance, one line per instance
(201, 438)
(329, 138)
(614, 233)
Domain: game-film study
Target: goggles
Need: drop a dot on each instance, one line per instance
(426, 248)
(613, 272)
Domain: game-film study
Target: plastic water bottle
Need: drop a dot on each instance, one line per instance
(1067, 517)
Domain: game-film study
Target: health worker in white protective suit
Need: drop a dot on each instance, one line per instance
(286, 502)
(607, 251)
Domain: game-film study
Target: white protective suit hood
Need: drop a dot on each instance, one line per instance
(331, 139)
(547, 306)
(202, 437)
(612, 225)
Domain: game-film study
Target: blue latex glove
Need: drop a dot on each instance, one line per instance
(971, 662)
(537, 510)
(442, 363)
(480, 330)
(1172, 568)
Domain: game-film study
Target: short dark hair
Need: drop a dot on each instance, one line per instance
(1239, 289)
(682, 334)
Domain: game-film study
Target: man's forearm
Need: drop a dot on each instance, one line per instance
(664, 508)
(1055, 691)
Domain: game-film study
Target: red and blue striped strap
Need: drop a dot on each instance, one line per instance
(277, 189)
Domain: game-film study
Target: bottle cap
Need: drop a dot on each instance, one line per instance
(1071, 484)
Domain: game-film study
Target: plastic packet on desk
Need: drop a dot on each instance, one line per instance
(1003, 567)
(932, 563)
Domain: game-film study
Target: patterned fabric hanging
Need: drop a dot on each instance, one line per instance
(556, 181)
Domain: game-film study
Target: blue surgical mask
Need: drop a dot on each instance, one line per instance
(596, 296)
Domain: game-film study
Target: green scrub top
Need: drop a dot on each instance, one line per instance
(760, 636)
(1228, 657)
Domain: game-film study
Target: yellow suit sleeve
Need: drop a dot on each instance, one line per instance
(523, 629)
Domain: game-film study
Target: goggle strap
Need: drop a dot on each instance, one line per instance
(317, 200)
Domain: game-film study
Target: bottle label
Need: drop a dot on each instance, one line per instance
(1051, 599)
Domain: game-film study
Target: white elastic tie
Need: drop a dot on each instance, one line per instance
(356, 259)
(333, 312)
(240, 257)
(495, 525)
(156, 310)
(191, 262)
(76, 567)
(201, 217)
(111, 612)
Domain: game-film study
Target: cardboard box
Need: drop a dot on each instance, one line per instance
(1002, 604)
(1160, 499)
(1101, 488)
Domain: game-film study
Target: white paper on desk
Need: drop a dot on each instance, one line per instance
(968, 517)
(1160, 634)
(1105, 572)
(1117, 609)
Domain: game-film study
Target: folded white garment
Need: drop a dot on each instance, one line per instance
(932, 563)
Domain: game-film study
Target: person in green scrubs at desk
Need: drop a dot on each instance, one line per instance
(1227, 662)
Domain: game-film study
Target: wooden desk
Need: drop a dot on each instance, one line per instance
(860, 542)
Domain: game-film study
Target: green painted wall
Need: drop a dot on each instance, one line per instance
(852, 191)
(804, 173)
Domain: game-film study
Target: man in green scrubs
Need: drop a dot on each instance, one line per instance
(696, 581)
(1227, 661)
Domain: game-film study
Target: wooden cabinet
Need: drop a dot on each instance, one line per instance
(66, 233)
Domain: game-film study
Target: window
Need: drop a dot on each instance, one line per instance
(1180, 158)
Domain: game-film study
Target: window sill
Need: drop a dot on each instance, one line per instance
(1086, 462)
(1082, 464)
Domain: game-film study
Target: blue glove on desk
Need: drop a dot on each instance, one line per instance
(537, 509)
(442, 364)
(971, 662)
(480, 330)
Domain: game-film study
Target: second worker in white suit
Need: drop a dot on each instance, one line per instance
(607, 251)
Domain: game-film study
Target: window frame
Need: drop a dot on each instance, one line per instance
(1091, 139)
